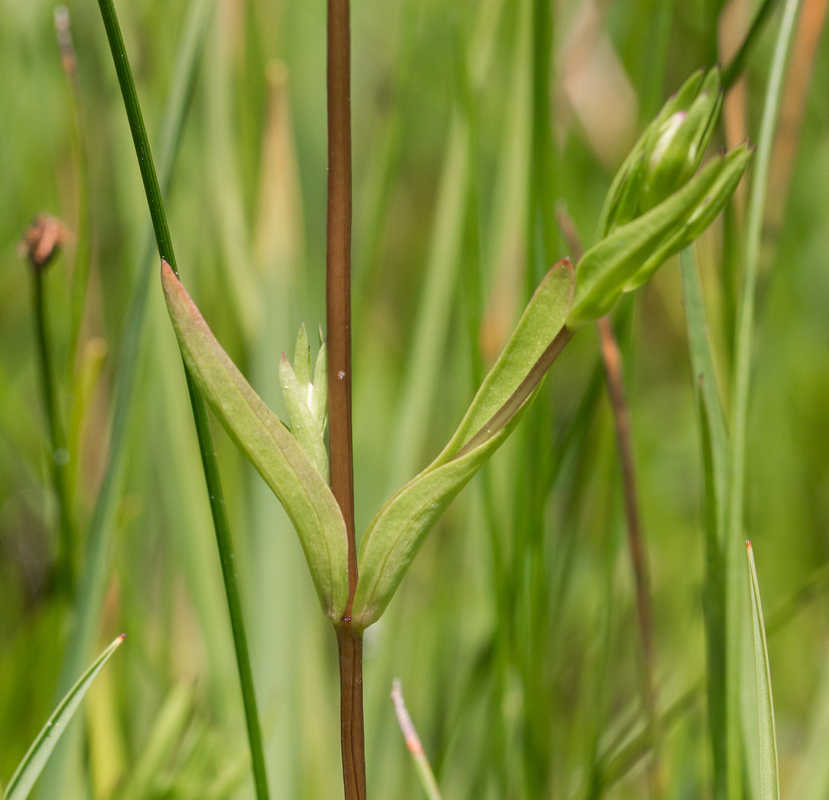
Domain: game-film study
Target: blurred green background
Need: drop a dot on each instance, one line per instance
(515, 632)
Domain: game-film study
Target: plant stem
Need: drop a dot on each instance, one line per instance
(58, 456)
(202, 422)
(350, 647)
(338, 311)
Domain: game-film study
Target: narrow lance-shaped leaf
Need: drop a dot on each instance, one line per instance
(714, 445)
(400, 527)
(268, 445)
(769, 780)
(35, 759)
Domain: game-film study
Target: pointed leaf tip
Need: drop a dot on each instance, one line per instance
(35, 760)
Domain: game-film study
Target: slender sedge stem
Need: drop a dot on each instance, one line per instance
(90, 591)
(612, 360)
(200, 417)
(58, 456)
(338, 308)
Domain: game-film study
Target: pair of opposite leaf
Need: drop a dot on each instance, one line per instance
(656, 206)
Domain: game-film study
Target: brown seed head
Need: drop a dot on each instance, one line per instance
(42, 239)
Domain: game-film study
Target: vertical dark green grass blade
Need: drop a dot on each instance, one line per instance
(91, 587)
(769, 777)
(735, 575)
(714, 444)
(202, 422)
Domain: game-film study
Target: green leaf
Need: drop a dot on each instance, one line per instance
(35, 759)
(769, 779)
(268, 445)
(714, 444)
(400, 527)
(639, 247)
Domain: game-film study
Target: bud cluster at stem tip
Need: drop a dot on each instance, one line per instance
(668, 153)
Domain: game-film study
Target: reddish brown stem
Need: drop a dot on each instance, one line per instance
(350, 645)
(338, 305)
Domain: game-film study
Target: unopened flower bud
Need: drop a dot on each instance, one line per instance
(668, 153)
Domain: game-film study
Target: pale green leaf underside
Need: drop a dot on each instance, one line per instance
(769, 780)
(35, 760)
(268, 445)
(400, 527)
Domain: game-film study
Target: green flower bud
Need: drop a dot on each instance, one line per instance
(667, 154)
(657, 204)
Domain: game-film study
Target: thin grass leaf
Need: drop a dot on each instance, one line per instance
(38, 754)
(714, 445)
(400, 527)
(742, 376)
(769, 777)
(268, 445)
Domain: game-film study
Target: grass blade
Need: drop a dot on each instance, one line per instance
(33, 762)
(714, 444)
(741, 377)
(769, 778)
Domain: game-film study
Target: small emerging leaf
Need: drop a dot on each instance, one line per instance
(769, 779)
(400, 527)
(268, 445)
(35, 759)
(319, 403)
(304, 424)
(302, 357)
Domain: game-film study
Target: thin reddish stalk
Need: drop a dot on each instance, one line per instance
(338, 305)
